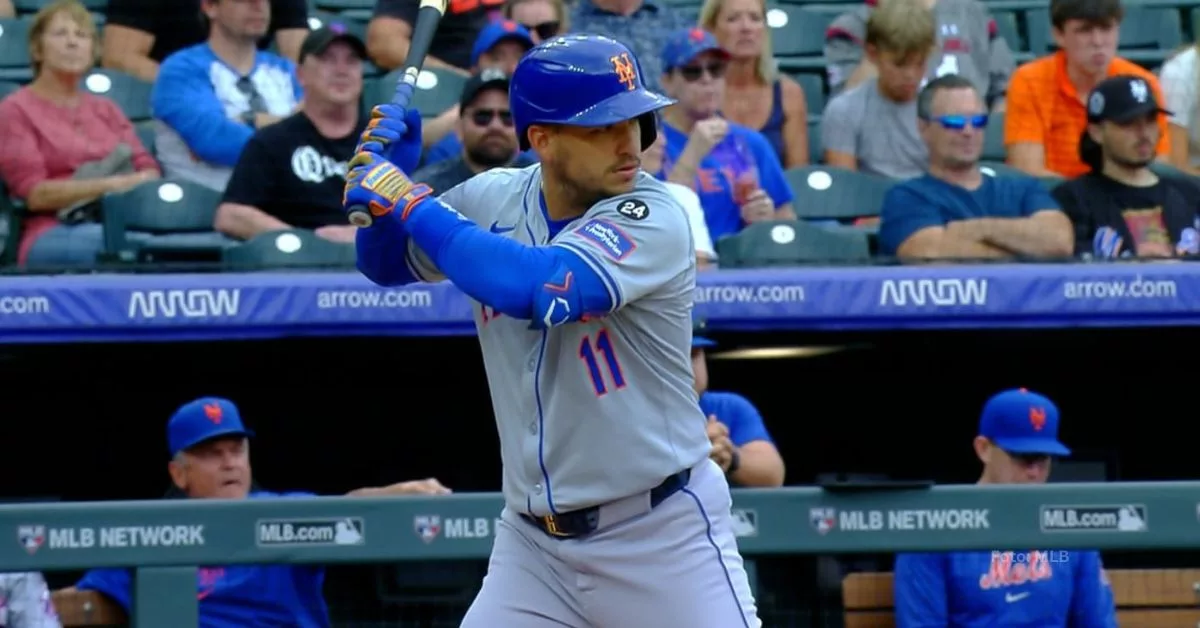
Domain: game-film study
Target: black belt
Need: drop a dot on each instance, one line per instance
(577, 523)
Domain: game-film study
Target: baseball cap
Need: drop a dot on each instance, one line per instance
(496, 32)
(487, 79)
(203, 419)
(1022, 422)
(698, 341)
(319, 40)
(686, 44)
(1122, 98)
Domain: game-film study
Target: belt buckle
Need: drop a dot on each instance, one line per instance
(550, 525)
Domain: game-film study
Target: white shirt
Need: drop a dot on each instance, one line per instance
(691, 203)
(1179, 83)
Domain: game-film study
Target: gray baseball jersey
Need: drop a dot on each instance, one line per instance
(25, 602)
(593, 411)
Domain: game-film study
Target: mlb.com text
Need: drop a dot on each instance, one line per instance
(17, 306)
(776, 293)
(373, 299)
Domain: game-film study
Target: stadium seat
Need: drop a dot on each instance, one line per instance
(1006, 26)
(8, 87)
(1147, 33)
(436, 91)
(10, 228)
(295, 248)
(791, 243)
(797, 31)
(813, 85)
(355, 26)
(1169, 171)
(32, 6)
(336, 6)
(993, 139)
(828, 193)
(14, 50)
(816, 152)
(165, 220)
(129, 92)
(145, 132)
(1001, 169)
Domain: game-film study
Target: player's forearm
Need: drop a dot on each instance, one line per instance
(759, 466)
(382, 252)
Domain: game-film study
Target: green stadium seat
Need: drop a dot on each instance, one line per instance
(1007, 27)
(129, 92)
(797, 31)
(357, 27)
(8, 87)
(292, 248)
(829, 193)
(1001, 169)
(437, 90)
(993, 139)
(14, 50)
(162, 220)
(816, 152)
(791, 243)
(10, 228)
(813, 85)
(146, 133)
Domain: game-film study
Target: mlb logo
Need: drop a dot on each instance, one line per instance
(822, 519)
(428, 527)
(31, 537)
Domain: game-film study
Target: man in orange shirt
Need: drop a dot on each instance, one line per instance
(1046, 114)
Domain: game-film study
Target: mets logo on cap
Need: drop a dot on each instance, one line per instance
(625, 70)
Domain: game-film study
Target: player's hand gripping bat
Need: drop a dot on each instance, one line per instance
(428, 16)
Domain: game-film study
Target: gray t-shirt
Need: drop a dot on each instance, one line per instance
(594, 411)
(880, 133)
(967, 39)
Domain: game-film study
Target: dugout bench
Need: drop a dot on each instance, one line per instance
(1145, 598)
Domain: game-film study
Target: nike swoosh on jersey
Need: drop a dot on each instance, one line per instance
(496, 228)
(1015, 597)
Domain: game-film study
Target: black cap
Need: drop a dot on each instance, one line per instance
(485, 79)
(1122, 98)
(319, 40)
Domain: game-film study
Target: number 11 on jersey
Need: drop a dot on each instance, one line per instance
(594, 349)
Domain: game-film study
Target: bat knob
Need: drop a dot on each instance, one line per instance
(360, 217)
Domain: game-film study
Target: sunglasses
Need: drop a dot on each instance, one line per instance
(545, 30)
(484, 117)
(958, 123)
(692, 73)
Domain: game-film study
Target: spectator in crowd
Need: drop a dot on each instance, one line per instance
(210, 98)
(291, 174)
(741, 444)
(545, 19)
(500, 45)
(1018, 439)
(1121, 208)
(139, 35)
(1180, 78)
(968, 43)
(64, 147)
(732, 168)
(642, 25)
(957, 212)
(210, 459)
(872, 126)
(390, 33)
(25, 601)
(7, 9)
(652, 162)
(756, 94)
(1046, 116)
(489, 139)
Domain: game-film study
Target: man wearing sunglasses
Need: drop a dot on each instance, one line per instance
(488, 138)
(1018, 438)
(955, 211)
(545, 19)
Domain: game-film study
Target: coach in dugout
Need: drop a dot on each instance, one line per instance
(210, 459)
(1018, 438)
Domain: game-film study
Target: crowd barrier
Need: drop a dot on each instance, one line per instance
(267, 305)
(164, 540)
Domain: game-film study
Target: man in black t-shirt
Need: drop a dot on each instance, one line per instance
(486, 128)
(1122, 208)
(139, 34)
(291, 173)
(390, 32)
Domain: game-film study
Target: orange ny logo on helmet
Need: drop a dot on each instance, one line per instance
(626, 73)
(1037, 418)
(213, 412)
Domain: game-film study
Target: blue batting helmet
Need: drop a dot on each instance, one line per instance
(581, 80)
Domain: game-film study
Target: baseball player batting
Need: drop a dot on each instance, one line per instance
(581, 269)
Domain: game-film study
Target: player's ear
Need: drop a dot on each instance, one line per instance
(983, 449)
(539, 136)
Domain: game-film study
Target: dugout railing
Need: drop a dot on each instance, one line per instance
(164, 540)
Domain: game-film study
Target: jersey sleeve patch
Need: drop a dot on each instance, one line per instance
(614, 241)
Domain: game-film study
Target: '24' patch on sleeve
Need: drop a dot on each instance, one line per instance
(611, 239)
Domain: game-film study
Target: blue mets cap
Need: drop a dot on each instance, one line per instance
(687, 44)
(698, 341)
(203, 419)
(1022, 422)
(496, 32)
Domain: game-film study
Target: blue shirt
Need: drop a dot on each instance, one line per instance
(925, 201)
(743, 152)
(238, 596)
(1043, 589)
(738, 414)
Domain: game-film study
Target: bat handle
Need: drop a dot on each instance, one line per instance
(360, 217)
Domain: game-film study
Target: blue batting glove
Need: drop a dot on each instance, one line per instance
(393, 133)
(378, 185)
